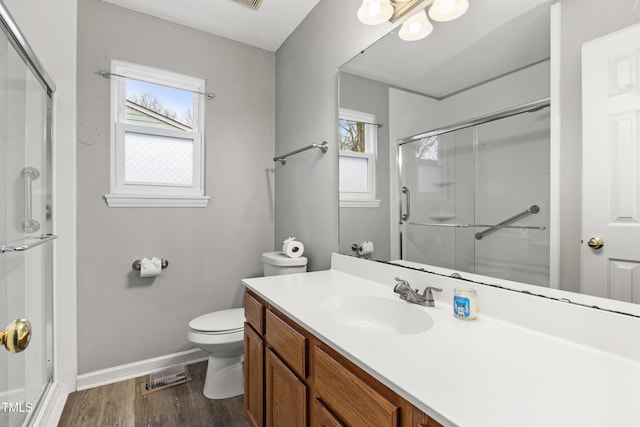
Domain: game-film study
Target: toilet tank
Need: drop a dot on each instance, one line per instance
(276, 263)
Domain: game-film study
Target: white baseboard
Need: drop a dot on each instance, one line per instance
(51, 407)
(137, 369)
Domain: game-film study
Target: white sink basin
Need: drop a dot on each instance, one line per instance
(369, 313)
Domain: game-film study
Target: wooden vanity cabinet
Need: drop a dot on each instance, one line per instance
(292, 379)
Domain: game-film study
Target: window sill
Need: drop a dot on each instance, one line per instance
(359, 203)
(153, 201)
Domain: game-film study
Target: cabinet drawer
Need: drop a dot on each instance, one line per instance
(355, 402)
(254, 313)
(287, 342)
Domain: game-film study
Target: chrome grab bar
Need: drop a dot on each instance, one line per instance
(523, 227)
(534, 209)
(39, 240)
(283, 159)
(29, 225)
(406, 216)
(429, 224)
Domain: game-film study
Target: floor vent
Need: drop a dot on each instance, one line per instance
(253, 4)
(166, 378)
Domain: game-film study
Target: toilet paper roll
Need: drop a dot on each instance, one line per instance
(365, 248)
(292, 248)
(150, 267)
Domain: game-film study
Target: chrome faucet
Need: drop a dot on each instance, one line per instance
(408, 294)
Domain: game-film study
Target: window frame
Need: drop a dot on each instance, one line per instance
(362, 199)
(132, 194)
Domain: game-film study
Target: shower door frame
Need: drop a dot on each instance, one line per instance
(26, 53)
(396, 160)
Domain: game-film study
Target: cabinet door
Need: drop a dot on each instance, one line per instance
(322, 417)
(286, 395)
(253, 377)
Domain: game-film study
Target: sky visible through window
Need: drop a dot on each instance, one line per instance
(176, 100)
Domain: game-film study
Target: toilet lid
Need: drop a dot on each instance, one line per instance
(230, 320)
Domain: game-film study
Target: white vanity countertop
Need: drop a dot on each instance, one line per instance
(478, 373)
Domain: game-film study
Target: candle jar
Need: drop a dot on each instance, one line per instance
(465, 303)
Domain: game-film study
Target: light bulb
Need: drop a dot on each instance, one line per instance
(417, 27)
(374, 8)
(448, 10)
(374, 12)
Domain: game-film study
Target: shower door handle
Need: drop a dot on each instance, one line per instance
(29, 225)
(17, 335)
(405, 216)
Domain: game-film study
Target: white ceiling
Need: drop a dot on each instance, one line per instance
(266, 28)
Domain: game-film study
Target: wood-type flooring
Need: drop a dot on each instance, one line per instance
(122, 405)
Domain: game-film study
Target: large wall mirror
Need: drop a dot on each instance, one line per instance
(464, 150)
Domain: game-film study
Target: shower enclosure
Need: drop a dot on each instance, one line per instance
(26, 357)
(475, 197)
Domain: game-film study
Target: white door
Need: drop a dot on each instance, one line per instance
(611, 166)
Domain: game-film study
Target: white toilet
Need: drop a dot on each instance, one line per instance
(221, 334)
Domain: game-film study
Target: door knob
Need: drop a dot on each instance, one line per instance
(595, 243)
(17, 335)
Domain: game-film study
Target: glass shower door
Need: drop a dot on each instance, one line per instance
(512, 176)
(437, 184)
(25, 248)
(476, 199)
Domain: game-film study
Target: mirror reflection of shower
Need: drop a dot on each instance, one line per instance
(487, 178)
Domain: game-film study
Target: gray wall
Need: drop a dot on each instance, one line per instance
(582, 20)
(360, 224)
(122, 318)
(306, 198)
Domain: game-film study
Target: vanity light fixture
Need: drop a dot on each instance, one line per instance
(417, 27)
(448, 10)
(374, 12)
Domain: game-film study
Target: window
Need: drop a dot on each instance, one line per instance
(357, 159)
(430, 178)
(157, 134)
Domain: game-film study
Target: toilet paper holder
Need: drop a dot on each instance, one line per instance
(362, 249)
(136, 264)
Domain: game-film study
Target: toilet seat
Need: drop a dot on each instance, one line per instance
(220, 322)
